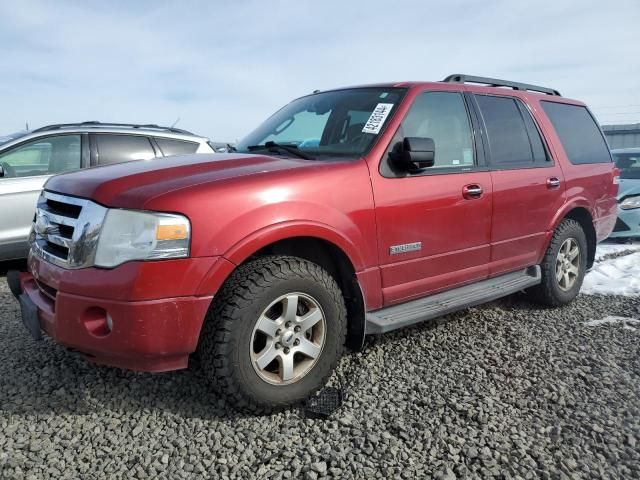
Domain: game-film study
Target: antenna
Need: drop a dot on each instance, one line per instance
(26, 126)
(176, 122)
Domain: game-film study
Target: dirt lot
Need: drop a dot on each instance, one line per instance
(507, 390)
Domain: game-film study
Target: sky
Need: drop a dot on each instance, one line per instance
(223, 67)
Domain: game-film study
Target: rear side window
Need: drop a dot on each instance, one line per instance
(170, 146)
(514, 140)
(579, 134)
(123, 148)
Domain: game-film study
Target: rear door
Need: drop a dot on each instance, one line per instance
(434, 225)
(528, 185)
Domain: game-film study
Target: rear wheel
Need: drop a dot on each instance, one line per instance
(564, 265)
(274, 334)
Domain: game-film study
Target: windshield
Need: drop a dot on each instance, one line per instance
(341, 123)
(629, 165)
(12, 136)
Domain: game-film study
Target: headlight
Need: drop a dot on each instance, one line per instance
(630, 203)
(132, 235)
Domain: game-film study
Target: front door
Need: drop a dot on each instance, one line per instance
(434, 225)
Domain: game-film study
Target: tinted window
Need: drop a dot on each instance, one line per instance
(123, 148)
(537, 147)
(579, 134)
(170, 146)
(43, 156)
(629, 165)
(506, 130)
(443, 117)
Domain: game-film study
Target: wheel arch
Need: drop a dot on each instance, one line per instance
(584, 218)
(335, 261)
(582, 214)
(326, 250)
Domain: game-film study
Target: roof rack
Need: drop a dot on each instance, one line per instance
(494, 82)
(150, 126)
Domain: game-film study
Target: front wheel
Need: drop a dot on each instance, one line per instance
(564, 265)
(275, 333)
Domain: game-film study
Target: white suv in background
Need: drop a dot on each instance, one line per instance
(29, 158)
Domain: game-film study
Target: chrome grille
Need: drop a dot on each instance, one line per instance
(65, 229)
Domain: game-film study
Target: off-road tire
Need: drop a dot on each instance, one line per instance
(548, 292)
(225, 340)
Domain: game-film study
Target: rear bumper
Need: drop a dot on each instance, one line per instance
(147, 335)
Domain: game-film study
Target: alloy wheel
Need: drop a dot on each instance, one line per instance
(568, 264)
(288, 338)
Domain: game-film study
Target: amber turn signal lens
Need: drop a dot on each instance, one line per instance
(171, 232)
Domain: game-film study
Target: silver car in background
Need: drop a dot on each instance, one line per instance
(29, 158)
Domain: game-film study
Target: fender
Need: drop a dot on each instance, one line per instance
(243, 249)
(575, 202)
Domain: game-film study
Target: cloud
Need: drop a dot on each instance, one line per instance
(222, 67)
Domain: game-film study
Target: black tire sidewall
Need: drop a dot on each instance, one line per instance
(565, 296)
(241, 336)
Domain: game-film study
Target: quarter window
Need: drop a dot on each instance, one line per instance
(579, 134)
(123, 148)
(44, 156)
(514, 140)
(170, 146)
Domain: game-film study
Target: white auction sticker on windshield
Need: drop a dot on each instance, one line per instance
(377, 118)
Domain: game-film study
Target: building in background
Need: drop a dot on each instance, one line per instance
(622, 136)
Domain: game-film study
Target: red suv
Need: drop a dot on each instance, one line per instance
(348, 212)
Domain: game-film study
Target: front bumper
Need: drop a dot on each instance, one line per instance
(627, 224)
(153, 334)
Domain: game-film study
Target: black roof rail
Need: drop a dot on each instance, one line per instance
(93, 123)
(495, 82)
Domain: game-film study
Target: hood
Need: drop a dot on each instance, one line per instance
(628, 186)
(132, 184)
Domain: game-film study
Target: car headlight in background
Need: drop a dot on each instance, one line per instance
(135, 235)
(630, 203)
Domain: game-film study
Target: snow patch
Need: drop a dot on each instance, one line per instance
(627, 323)
(614, 276)
(615, 248)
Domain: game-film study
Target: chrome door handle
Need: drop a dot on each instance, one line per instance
(472, 191)
(553, 182)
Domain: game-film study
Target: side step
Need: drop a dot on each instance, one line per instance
(415, 311)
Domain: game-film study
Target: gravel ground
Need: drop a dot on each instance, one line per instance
(506, 390)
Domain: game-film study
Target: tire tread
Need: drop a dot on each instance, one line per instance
(545, 293)
(248, 282)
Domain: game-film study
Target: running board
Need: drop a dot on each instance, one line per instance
(415, 311)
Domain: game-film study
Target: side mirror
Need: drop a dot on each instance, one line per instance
(1, 171)
(413, 153)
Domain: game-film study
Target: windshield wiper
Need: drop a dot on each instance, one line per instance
(273, 146)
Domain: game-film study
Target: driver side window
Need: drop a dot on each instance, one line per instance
(443, 117)
(44, 156)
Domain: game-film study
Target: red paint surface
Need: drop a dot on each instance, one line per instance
(238, 204)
